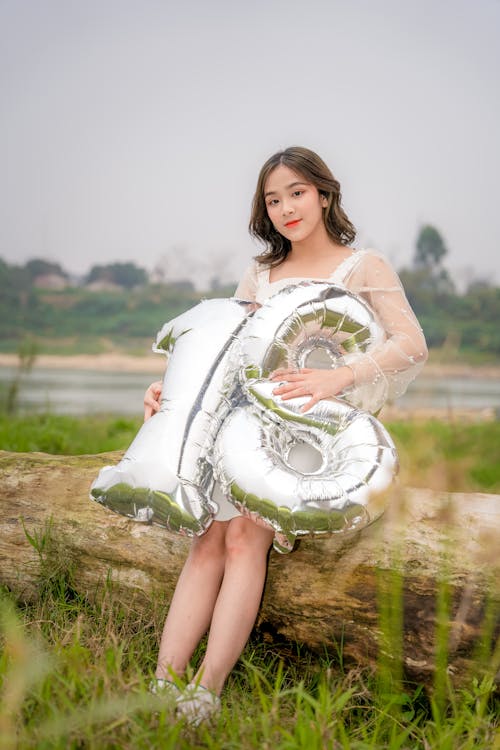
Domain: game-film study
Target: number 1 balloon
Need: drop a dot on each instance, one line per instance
(327, 470)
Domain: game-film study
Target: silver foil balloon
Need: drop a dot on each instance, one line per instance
(165, 476)
(325, 471)
(311, 324)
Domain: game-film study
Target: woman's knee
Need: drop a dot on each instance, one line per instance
(243, 536)
(211, 544)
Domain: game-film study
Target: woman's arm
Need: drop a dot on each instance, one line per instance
(394, 364)
(384, 372)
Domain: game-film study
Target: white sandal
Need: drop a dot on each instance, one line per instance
(197, 704)
(164, 688)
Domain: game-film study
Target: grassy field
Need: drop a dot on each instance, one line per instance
(74, 672)
(66, 435)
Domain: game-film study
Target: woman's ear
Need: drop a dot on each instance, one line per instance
(324, 201)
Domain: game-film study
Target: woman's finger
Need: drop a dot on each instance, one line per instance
(292, 380)
(314, 400)
(285, 388)
(153, 392)
(152, 399)
(282, 374)
(150, 408)
(292, 377)
(293, 392)
(155, 387)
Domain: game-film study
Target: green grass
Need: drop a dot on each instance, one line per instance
(452, 456)
(66, 435)
(74, 674)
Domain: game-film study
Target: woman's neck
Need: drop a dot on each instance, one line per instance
(315, 248)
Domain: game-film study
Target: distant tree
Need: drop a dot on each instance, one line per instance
(182, 285)
(423, 287)
(39, 267)
(98, 273)
(479, 285)
(428, 280)
(13, 279)
(430, 248)
(4, 273)
(127, 275)
(216, 284)
(483, 301)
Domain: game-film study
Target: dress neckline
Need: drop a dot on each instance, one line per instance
(312, 278)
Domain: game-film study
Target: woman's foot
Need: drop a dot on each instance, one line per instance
(197, 704)
(164, 689)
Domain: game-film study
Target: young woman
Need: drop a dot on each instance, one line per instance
(298, 216)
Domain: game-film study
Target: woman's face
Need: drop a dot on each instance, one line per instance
(294, 205)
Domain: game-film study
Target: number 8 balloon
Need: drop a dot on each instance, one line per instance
(324, 471)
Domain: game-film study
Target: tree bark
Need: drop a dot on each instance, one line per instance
(330, 593)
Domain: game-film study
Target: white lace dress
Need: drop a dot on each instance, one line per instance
(383, 374)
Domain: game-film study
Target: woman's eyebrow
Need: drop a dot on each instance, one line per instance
(287, 187)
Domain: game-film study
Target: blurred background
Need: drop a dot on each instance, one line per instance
(131, 136)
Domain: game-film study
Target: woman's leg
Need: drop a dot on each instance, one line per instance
(247, 546)
(193, 602)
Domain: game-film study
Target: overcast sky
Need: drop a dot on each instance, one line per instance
(135, 130)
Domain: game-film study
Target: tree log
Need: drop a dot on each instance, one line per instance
(329, 591)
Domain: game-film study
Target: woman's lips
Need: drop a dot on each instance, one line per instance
(293, 223)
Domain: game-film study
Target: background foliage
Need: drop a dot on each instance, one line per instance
(128, 308)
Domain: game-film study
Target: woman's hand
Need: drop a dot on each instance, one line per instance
(152, 399)
(315, 383)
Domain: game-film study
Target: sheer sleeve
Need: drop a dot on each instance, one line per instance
(247, 288)
(386, 372)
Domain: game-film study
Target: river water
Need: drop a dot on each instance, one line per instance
(90, 392)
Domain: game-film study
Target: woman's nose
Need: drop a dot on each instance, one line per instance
(286, 208)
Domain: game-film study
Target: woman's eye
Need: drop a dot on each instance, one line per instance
(297, 193)
(273, 202)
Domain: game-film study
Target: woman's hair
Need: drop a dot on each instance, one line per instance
(309, 165)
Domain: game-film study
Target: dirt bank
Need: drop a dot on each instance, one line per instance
(154, 363)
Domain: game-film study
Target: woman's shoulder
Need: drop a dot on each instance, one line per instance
(367, 254)
(254, 268)
(259, 272)
(371, 258)
(377, 269)
(253, 276)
